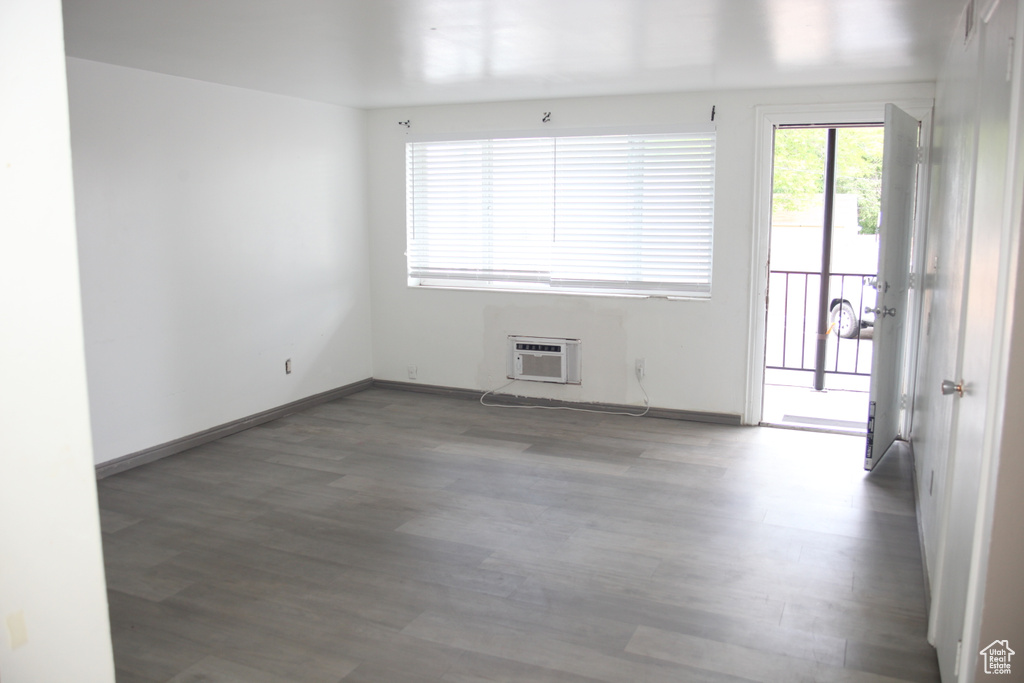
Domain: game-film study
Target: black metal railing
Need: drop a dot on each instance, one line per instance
(792, 324)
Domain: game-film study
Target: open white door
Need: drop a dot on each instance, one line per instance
(896, 223)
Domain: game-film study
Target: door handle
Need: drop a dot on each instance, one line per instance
(881, 312)
(950, 387)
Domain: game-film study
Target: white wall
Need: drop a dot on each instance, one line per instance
(954, 143)
(221, 231)
(53, 602)
(695, 351)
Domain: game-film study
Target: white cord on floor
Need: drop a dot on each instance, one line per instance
(647, 403)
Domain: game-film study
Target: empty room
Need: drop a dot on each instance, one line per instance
(442, 341)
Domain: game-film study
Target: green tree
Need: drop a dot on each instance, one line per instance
(799, 170)
(859, 172)
(798, 178)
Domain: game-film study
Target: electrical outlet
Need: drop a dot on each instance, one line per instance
(641, 368)
(411, 369)
(288, 367)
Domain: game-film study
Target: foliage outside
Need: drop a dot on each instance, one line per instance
(799, 170)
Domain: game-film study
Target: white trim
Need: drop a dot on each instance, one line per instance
(986, 9)
(919, 266)
(764, 148)
(766, 118)
(553, 132)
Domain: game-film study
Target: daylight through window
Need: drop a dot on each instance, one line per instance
(620, 214)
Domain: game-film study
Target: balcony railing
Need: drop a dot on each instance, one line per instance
(792, 324)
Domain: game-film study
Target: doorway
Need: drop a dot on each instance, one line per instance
(823, 260)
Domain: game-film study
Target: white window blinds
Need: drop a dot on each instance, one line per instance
(626, 214)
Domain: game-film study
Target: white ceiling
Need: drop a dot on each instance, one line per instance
(377, 53)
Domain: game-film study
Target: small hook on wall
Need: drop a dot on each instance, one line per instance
(547, 117)
(405, 123)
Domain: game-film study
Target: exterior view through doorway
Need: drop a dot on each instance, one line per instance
(823, 261)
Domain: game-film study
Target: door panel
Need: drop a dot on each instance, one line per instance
(899, 180)
(949, 602)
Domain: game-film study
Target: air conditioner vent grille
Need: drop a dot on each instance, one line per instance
(543, 359)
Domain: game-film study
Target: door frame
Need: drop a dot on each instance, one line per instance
(766, 118)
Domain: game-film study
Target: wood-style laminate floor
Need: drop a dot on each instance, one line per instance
(395, 537)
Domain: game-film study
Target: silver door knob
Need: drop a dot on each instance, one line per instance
(880, 312)
(951, 387)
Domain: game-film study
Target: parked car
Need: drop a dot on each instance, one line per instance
(851, 312)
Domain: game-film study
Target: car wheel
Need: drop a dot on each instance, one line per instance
(844, 320)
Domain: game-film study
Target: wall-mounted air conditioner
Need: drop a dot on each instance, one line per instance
(542, 359)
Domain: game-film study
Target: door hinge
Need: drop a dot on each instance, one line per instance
(912, 281)
(920, 155)
(1009, 61)
(956, 663)
(903, 402)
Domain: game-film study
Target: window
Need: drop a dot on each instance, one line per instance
(620, 214)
